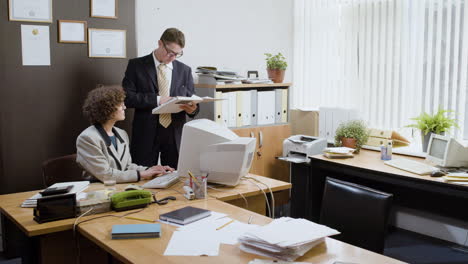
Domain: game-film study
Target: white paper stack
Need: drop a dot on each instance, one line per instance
(285, 238)
(78, 188)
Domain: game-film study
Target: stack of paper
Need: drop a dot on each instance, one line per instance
(173, 105)
(78, 187)
(285, 238)
(338, 152)
(457, 177)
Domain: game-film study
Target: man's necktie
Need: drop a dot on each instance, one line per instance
(163, 84)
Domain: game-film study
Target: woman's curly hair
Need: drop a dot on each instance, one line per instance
(102, 102)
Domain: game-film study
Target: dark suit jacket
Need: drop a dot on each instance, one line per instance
(141, 87)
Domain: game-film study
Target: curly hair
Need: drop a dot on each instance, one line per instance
(102, 102)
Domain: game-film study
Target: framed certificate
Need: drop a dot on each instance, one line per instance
(104, 8)
(72, 31)
(106, 43)
(30, 10)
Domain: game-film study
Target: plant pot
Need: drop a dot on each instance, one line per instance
(349, 142)
(276, 75)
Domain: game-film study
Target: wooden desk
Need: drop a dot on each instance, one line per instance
(409, 189)
(151, 250)
(57, 233)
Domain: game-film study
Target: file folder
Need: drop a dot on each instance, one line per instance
(239, 107)
(225, 108)
(266, 107)
(232, 98)
(284, 106)
(253, 107)
(278, 105)
(246, 108)
(219, 108)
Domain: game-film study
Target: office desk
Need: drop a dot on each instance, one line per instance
(152, 250)
(48, 236)
(409, 189)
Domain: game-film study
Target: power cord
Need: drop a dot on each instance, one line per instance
(240, 194)
(264, 194)
(271, 193)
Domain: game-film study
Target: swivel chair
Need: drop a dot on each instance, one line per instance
(358, 212)
(61, 169)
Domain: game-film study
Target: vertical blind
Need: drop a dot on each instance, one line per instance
(390, 59)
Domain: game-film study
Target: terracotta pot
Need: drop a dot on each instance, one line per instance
(348, 142)
(276, 75)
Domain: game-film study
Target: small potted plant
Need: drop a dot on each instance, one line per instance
(276, 66)
(352, 134)
(439, 123)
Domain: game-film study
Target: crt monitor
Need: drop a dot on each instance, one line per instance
(208, 147)
(445, 151)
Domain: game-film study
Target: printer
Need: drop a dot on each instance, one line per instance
(299, 148)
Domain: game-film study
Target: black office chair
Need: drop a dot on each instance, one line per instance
(359, 213)
(61, 169)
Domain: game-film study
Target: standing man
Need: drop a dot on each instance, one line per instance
(150, 81)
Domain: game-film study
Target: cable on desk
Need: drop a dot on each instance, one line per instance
(240, 194)
(271, 192)
(264, 194)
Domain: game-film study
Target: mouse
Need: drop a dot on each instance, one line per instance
(437, 173)
(131, 187)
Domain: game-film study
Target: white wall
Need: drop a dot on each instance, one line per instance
(227, 34)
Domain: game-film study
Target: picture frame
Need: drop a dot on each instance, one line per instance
(72, 31)
(30, 10)
(107, 43)
(104, 8)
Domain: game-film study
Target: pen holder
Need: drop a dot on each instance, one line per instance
(198, 185)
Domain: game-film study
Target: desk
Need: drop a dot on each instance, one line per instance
(152, 250)
(55, 234)
(409, 189)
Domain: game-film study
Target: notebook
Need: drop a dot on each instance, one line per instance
(185, 215)
(136, 231)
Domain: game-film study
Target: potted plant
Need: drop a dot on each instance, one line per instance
(352, 134)
(439, 123)
(276, 66)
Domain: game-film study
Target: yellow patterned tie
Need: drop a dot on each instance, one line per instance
(163, 84)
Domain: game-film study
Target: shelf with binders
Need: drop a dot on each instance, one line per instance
(246, 105)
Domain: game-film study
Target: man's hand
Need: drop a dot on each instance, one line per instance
(189, 108)
(164, 99)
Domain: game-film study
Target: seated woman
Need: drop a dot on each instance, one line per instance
(103, 149)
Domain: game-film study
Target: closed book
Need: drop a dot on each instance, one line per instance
(185, 215)
(136, 231)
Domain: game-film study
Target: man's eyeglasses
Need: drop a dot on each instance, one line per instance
(171, 53)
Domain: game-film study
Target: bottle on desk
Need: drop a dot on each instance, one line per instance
(386, 151)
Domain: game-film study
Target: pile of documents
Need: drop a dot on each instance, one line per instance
(210, 75)
(338, 152)
(285, 238)
(78, 187)
(457, 177)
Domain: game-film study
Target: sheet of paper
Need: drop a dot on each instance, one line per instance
(192, 243)
(35, 43)
(269, 261)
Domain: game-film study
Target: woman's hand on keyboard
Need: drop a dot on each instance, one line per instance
(155, 171)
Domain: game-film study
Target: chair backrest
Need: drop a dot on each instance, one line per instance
(360, 213)
(61, 169)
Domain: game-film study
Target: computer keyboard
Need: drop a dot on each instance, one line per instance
(411, 166)
(163, 181)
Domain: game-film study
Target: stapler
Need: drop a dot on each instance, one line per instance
(189, 193)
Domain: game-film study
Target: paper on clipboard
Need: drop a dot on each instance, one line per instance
(173, 106)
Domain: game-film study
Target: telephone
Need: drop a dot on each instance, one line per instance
(130, 200)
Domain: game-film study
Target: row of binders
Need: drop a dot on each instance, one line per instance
(251, 107)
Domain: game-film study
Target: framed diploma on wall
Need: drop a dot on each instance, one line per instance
(72, 31)
(30, 10)
(107, 43)
(104, 8)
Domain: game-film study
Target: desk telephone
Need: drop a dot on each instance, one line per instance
(130, 200)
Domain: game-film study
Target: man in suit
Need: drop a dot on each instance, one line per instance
(150, 81)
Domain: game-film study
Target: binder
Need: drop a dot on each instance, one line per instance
(232, 98)
(379, 137)
(266, 107)
(284, 106)
(225, 108)
(219, 108)
(253, 107)
(239, 107)
(246, 108)
(278, 105)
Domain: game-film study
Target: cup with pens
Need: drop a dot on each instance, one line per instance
(198, 184)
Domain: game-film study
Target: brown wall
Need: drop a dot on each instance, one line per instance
(40, 106)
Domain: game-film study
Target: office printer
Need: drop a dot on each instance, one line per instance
(299, 147)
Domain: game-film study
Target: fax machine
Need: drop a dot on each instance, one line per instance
(302, 146)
